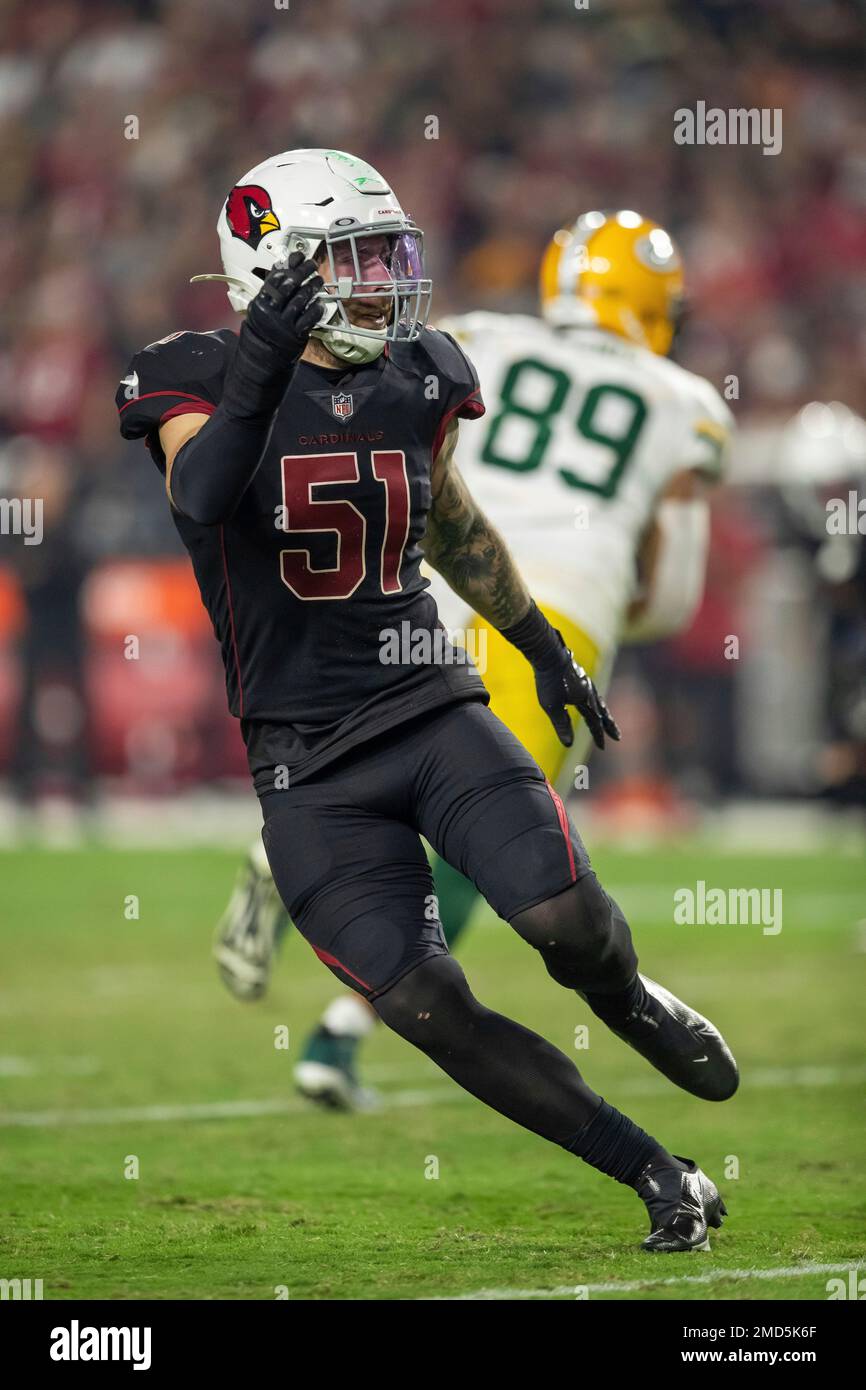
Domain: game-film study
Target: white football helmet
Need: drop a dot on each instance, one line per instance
(322, 202)
(821, 456)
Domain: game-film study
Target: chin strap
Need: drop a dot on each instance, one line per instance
(348, 346)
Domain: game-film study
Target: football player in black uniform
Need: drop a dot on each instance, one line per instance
(308, 463)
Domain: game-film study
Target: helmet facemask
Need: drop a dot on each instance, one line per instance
(371, 263)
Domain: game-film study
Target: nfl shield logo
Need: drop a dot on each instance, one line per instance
(342, 406)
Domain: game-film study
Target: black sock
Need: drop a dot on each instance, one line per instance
(615, 1145)
(614, 1009)
(510, 1068)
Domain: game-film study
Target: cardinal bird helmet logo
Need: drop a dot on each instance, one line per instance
(249, 213)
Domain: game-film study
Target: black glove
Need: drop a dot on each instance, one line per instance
(559, 681)
(272, 338)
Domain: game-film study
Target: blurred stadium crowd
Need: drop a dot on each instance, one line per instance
(543, 109)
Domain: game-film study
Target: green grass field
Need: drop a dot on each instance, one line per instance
(118, 1040)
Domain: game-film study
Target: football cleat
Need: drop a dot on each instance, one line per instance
(250, 930)
(326, 1073)
(682, 1205)
(682, 1044)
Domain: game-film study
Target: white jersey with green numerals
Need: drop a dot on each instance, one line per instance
(582, 434)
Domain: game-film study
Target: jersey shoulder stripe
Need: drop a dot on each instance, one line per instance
(710, 425)
(178, 375)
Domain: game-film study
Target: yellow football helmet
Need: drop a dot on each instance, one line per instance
(619, 271)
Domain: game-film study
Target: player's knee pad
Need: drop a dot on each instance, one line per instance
(582, 937)
(432, 1006)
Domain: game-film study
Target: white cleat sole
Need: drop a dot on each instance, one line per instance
(244, 979)
(330, 1087)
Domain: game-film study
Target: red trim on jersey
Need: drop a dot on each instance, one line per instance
(563, 825)
(232, 623)
(178, 395)
(332, 960)
(474, 407)
(188, 408)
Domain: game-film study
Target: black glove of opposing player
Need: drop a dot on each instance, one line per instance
(559, 681)
(272, 338)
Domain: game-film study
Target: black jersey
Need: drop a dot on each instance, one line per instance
(314, 586)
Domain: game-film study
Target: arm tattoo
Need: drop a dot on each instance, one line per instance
(467, 550)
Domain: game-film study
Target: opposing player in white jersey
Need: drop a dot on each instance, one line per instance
(594, 460)
(595, 457)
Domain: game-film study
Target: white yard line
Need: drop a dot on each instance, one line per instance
(765, 1079)
(761, 1079)
(207, 1110)
(714, 1276)
(42, 1066)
